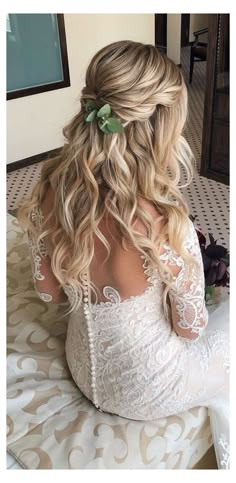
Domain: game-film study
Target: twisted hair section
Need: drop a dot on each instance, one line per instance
(97, 174)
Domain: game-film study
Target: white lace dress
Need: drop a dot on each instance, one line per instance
(128, 360)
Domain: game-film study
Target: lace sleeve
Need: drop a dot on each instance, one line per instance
(187, 297)
(45, 283)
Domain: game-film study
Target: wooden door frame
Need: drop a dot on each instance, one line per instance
(213, 20)
(162, 18)
(185, 16)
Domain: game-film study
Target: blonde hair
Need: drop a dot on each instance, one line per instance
(95, 172)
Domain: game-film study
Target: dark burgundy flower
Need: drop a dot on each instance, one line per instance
(211, 274)
(206, 260)
(224, 282)
(201, 237)
(215, 260)
(217, 251)
(221, 269)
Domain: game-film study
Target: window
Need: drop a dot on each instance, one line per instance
(36, 54)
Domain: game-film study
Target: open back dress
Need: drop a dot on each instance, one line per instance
(126, 356)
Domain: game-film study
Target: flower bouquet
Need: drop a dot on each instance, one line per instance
(215, 261)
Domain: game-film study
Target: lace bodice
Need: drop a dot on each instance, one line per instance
(128, 359)
(189, 314)
(125, 319)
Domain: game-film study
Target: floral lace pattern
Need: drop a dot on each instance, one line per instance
(188, 296)
(125, 356)
(37, 252)
(127, 359)
(225, 461)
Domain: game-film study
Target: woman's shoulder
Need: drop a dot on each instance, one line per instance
(158, 219)
(149, 206)
(47, 208)
(48, 200)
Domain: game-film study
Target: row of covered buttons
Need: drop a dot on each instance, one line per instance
(91, 346)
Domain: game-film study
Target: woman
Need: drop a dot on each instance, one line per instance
(116, 242)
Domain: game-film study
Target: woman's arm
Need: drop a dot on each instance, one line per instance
(187, 297)
(46, 285)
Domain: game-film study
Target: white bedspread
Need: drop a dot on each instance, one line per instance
(12, 463)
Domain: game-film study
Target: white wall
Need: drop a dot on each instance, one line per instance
(174, 37)
(34, 123)
(198, 21)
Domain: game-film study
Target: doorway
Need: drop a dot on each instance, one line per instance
(215, 140)
(161, 30)
(208, 125)
(185, 24)
(196, 89)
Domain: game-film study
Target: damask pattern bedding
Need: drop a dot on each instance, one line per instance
(51, 425)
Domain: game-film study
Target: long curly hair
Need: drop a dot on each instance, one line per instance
(97, 173)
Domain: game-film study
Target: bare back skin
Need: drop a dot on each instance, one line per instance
(123, 270)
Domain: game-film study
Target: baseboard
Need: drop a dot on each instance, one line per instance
(22, 163)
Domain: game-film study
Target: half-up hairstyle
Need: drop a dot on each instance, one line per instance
(97, 172)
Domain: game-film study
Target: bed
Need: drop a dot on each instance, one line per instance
(50, 423)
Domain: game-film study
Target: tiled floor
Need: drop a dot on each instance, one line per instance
(196, 92)
(206, 198)
(20, 183)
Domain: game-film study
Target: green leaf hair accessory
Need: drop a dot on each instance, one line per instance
(106, 124)
(91, 110)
